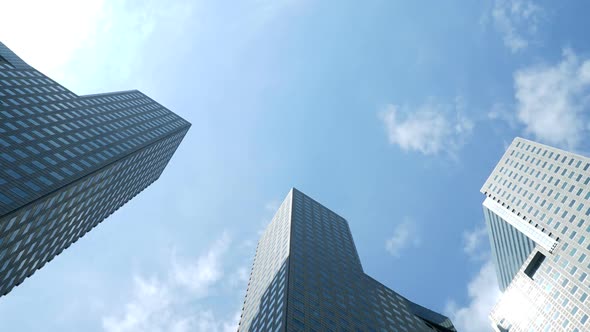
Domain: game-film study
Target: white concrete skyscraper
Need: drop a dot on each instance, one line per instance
(537, 210)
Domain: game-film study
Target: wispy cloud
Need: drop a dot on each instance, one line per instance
(552, 100)
(270, 209)
(239, 277)
(431, 128)
(483, 291)
(517, 21)
(167, 304)
(483, 294)
(475, 243)
(505, 113)
(404, 235)
(51, 47)
(272, 206)
(199, 275)
(97, 32)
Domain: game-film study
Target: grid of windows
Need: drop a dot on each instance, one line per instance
(393, 312)
(48, 135)
(265, 303)
(68, 161)
(549, 189)
(510, 248)
(326, 291)
(309, 249)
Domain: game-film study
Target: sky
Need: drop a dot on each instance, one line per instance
(390, 113)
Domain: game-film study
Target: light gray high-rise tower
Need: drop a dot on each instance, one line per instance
(67, 162)
(537, 211)
(307, 276)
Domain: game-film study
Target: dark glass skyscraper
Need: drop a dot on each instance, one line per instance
(67, 162)
(307, 276)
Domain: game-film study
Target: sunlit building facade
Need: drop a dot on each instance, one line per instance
(307, 276)
(537, 210)
(67, 162)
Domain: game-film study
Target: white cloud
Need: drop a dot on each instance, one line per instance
(404, 235)
(552, 100)
(239, 278)
(483, 294)
(207, 322)
(167, 304)
(270, 209)
(517, 21)
(475, 243)
(57, 37)
(501, 112)
(272, 206)
(429, 129)
(76, 42)
(198, 276)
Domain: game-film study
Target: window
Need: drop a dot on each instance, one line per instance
(534, 264)
(18, 191)
(32, 186)
(7, 157)
(2, 60)
(4, 199)
(13, 174)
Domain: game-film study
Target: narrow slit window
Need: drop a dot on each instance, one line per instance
(534, 264)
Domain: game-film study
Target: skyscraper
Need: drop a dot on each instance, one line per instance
(537, 211)
(67, 162)
(307, 276)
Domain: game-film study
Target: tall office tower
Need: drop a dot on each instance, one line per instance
(67, 162)
(537, 211)
(307, 276)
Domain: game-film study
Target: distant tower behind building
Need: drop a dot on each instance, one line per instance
(67, 162)
(537, 211)
(307, 276)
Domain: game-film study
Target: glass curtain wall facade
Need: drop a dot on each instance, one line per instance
(67, 162)
(510, 248)
(307, 276)
(538, 208)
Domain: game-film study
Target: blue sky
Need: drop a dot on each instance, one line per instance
(390, 113)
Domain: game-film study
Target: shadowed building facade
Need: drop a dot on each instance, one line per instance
(307, 276)
(67, 162)
(537, 211)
